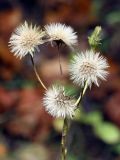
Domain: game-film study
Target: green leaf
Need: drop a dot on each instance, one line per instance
(107, 132)
(71, 90)
(77, 115)
(116, 148)
(71, 157)
(58, 124)
(113, 17)
(92, 118)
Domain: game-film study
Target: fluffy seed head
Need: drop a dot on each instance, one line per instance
(88, 66)
(61, 32)
(25, 39)
(57, 103)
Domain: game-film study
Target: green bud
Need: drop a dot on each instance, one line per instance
(95, 38)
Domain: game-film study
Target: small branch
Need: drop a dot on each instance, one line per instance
(64, 139)
(37, 75)
(61, 72)
(81, 94)
(59, 57)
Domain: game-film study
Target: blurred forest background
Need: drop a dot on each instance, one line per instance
(27, 132)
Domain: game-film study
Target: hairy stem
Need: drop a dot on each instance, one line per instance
(37, 75)
(81, 94)
(64, 139)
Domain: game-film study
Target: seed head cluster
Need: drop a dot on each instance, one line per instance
(61, 32)
(88, 67)
(57, 103)
(26, 39)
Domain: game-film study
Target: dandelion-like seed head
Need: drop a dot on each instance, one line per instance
(26, 39)
(60, 33)
(88, 67)
(57, 103)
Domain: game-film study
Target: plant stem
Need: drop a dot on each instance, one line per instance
(59, 57)
(37, 75)
(81, 94)
(64, 139)
(61, 72)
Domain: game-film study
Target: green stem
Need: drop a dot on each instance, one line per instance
(81, 94)
(64, 139)
(37, 75)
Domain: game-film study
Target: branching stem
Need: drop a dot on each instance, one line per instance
(37, 75)
(81, 94)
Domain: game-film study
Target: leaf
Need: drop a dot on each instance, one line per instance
(58, 124)
(116, 148)
(113, 17)
(92, 118)
(107, 132)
